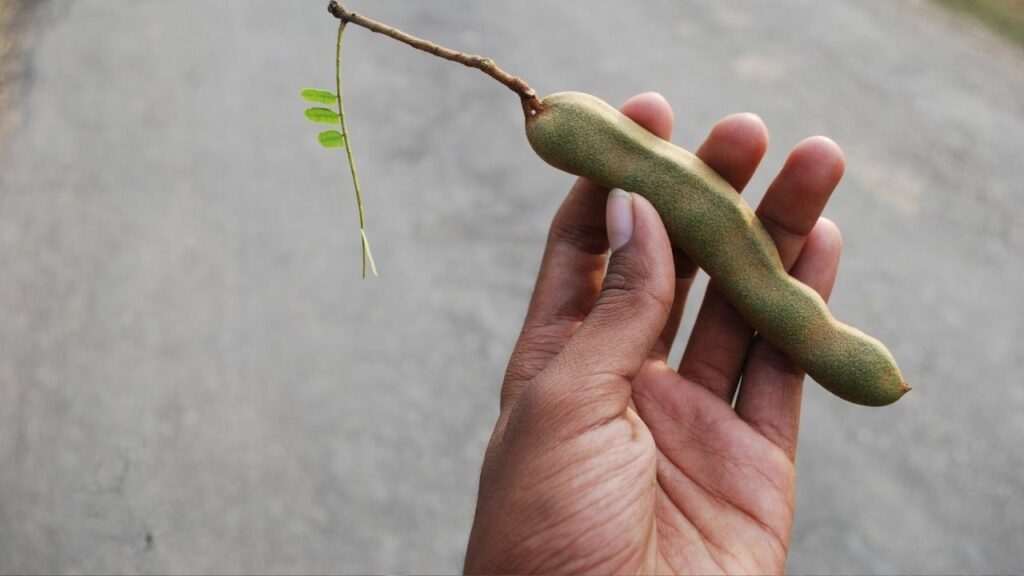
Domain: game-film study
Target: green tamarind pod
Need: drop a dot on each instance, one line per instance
(707, 219)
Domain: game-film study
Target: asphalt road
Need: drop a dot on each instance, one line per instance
(193, 378)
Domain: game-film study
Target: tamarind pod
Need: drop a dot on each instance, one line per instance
(709, 221)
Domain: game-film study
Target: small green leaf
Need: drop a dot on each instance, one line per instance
(331, 139)
(322, 115)
(319, 96)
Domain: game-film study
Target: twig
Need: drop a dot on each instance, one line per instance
(531, 103)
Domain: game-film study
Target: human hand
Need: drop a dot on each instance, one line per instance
(605, 459)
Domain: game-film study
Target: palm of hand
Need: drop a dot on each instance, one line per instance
(607, 460)
(718, 482)
(670, 487)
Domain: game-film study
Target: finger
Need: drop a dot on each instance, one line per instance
(574, 261)
(734, 148)
(770, 394)
(591, 378)
(717, 349)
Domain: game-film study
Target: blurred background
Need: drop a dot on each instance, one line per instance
(193, 377)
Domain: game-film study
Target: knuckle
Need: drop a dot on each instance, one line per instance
(632, 283)
(586, 238)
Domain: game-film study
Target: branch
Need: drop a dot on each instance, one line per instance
(531, 103)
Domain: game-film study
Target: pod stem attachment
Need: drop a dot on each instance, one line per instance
(531, 103)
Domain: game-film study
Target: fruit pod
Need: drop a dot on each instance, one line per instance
(709, 221)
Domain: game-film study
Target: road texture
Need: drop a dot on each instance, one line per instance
(193, 378)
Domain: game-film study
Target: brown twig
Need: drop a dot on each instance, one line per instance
(531, 103)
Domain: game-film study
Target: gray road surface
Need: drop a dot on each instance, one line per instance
(194, 379)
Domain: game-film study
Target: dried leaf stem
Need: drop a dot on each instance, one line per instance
(531, 103)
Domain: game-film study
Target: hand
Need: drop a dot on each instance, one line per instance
(604, 458)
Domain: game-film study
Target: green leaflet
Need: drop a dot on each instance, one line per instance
(322, 115)
(331, 139)
(319, 96)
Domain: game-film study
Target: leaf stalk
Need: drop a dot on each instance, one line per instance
(367, 255)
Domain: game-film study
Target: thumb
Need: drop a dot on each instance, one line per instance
(608, 349)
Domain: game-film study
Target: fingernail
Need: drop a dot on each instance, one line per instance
(619, 218)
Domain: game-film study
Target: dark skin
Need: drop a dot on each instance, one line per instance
(606, 459)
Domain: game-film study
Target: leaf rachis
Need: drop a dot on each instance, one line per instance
(367, 255)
